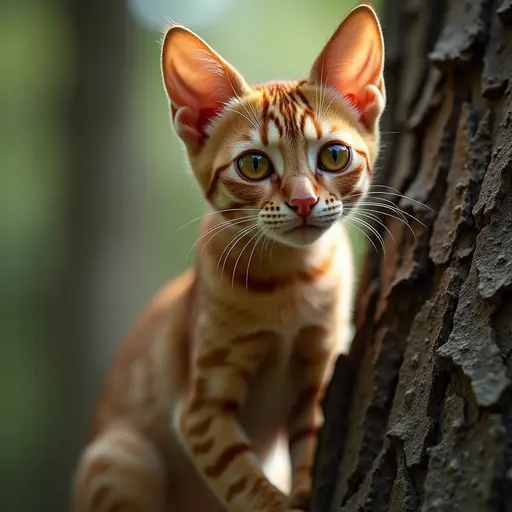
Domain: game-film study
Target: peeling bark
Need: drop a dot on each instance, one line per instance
(419, 414)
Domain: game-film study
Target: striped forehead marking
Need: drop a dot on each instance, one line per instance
(286, 112)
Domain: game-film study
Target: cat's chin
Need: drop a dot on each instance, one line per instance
(300, 235)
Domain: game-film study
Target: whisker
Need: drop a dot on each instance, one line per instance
(255, 113)
(389, 205)
(354, 239)
(231, 222)
(240, 255)
(334, 96)
(264, 247)
(271, 247)
(219, 69)
(403, 220)
(237, 236)
(215, 212)
(262, 234)
(366, 235)
(256, 124)
(394, 208)
(374, 231)
(231, 245)
(231, 109)
(218, 228)
(252, 115)
(316, 103)
(397, 192)
(323, 89)
(376, 219)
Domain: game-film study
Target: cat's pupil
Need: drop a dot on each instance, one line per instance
(255, 163)
(334, 155)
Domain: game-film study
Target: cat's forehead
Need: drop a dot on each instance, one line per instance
(288, 112)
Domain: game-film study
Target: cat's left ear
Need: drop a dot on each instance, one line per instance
(199, 82)
(352, 63)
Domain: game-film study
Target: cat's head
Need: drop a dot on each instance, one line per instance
(288, 157)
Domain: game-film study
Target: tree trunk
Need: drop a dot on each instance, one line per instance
(419, 414)
(101, 161)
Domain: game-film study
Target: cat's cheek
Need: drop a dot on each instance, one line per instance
(244, 192)
(344, 183)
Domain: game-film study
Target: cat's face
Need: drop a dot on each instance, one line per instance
(286, 159)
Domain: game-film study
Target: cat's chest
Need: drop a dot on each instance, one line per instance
(277, 382)
(287, 314)
(271, 392)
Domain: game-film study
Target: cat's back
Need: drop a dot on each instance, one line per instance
(151, 366)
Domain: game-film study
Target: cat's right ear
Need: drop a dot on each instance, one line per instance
(352, 64)
(199, 82)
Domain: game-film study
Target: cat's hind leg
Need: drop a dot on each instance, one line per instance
(120, 471)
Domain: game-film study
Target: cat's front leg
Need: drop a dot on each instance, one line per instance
(208, 424)
(313, 361)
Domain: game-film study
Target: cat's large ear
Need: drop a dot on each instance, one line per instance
(199, 83)
(352, 63)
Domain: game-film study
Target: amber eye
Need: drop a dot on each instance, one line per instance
(254, 166)
(333, 157)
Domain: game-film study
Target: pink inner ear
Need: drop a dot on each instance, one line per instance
(352, 98)
(361, 101)
(352, 63)
(195, 120)
(203, 104)
(198, 81)
(205, 116)
(355, 76)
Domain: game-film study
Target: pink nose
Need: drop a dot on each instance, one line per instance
(303, 205)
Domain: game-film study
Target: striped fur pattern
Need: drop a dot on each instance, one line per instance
(228, 364)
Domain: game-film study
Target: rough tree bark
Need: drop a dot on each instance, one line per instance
(419, 414)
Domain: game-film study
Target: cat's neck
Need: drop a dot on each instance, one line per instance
(256, 257)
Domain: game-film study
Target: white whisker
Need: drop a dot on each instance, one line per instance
(218, 228)
(399, 194)
(403, 220)
(240, 255)
(374, 231)
(231, 245)
(393, 208)
(215, 212)
(255, 122)
(232, 109)
(352, 238)
(366, 235)
(376, 219)
(262, 234)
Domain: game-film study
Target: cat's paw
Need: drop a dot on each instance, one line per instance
(299, 500)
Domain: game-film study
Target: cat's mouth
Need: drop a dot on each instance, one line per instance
(303, 234)
(305, 228)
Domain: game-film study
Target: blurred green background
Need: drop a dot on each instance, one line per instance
(93, 189)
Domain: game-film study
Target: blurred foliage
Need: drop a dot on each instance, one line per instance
(131, 215)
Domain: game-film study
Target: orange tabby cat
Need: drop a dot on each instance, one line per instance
(235, 354)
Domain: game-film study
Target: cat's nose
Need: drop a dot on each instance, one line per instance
(303, 205)
(302, 197)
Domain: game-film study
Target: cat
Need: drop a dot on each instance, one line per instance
(233, 357)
